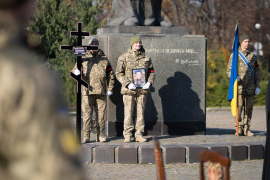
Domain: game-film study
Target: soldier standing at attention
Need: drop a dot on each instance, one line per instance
(134, 58)
(35, 139)
(98, 73)
(249, 83)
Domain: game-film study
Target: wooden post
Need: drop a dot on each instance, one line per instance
(237, 116)
(159, 161)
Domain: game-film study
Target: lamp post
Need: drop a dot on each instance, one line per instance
(258, 26)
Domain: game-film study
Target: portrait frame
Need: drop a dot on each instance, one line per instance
(141, 74)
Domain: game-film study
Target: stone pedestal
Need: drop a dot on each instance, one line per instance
(176, 105)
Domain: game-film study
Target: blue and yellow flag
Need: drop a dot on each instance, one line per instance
(232, 94)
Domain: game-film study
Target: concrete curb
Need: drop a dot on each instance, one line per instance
(180, 153)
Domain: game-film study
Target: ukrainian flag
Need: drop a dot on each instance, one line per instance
(232, 94)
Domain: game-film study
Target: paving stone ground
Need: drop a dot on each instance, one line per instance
(220, 129)
(248, 170)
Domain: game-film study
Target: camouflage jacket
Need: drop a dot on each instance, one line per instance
(97, 72)
(247, 85)
(129, 61)
(36, 141)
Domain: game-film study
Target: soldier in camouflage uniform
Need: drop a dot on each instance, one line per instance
(98, 73)
(134, 58)
(35, 139)
(247, 86)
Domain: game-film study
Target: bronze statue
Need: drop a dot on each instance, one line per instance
(136, 13)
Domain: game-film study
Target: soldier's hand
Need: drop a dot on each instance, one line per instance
(108, 93)
(77, 72)
(257, 91)
(146, 86)
(238, 78)
(131, 86)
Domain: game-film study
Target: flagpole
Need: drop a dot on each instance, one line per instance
(237, 121)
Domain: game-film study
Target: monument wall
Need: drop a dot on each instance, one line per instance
(176, 104)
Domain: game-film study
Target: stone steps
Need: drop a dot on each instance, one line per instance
(182, 153)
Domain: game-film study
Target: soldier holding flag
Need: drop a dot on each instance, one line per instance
(249, 84)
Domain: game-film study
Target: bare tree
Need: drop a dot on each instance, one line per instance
(216, 19)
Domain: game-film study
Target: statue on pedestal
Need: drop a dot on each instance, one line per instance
(136, 13)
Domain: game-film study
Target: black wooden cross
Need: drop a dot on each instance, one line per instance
(78, 78)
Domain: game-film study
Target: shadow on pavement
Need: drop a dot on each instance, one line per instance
(220, 131)
(149, 138)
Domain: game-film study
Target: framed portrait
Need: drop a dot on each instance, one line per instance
(138, 77)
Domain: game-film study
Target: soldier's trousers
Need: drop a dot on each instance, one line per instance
(245, 103)
(88, 104)
(129, 102)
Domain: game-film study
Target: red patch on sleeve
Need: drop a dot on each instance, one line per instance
(109, 69)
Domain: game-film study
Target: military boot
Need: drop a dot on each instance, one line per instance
(100, 136)
(97, 134)
(102, 139)
(240, 131)
(127, 139)
(140, 139)
(247, 132)
(86, 137)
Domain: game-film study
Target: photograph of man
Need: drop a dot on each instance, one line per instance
(134, 58)
(98, 73)
(139, 77)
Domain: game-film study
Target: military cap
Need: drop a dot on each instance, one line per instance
(134, 39)
(93, 40)
(242, 38)
(9, 4)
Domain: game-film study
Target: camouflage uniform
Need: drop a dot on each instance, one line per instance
(246, 87)
(126, 62)
(97, 71)
(35, 140)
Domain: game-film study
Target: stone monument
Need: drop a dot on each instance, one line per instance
(176, 104)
